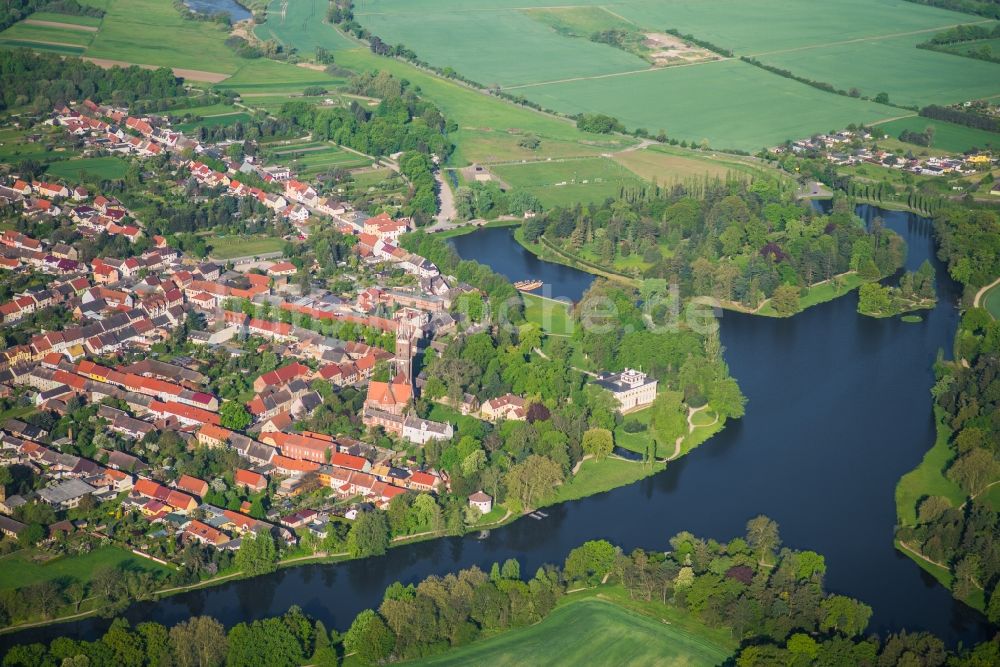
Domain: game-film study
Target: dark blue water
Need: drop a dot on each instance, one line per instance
(236, 11)
(839, 408)
(496, 247)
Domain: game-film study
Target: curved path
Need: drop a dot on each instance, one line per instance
(982, 292)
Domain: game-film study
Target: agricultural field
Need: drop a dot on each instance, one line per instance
(270, 78)
(947, 136)
(96, 168)
(590, 631)
(666, 165)
(910, 76)
(64, 38)
(301, 24)
(83, 22)
(565, 182)
(153, 32)
(696, 104)
(833, 42)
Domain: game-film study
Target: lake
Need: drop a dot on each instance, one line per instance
(839, 408)
(236, 11)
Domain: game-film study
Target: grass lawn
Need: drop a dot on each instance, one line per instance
(587, 629)
(308, 160)
(551, 316)
(18, 570)
(98, 168)
(462, 423)
(227, 247)
(153, 32)
(991, 301)
(818, 294)
(598, 476)
(928, 479)
(14, 146)
(566, 182)
(947, 136)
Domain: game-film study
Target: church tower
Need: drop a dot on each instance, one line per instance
(405, 351)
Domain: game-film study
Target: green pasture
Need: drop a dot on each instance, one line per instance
(228, 247)
(564, 182)
(69, 19)
(27, 32)
(96, 168)
(302, 24)
(272, 78)
(591, 631)
(947, 136)
(153, 32)
(28, 566)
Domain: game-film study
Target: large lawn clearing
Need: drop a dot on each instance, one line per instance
(928, 479)
(947, 136)
(228, 247)
(668, 166)
(18, 569)
(591, 631)
(991, 301)
(97, 168)
(152, 32)
(271, 77)
(566, 182)
(46, 34)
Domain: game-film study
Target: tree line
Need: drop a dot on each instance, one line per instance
(46, 80)
(772, 599)
(959, 117)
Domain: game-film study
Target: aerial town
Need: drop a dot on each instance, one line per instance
(133, 364)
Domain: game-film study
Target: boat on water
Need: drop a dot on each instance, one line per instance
(527, 285)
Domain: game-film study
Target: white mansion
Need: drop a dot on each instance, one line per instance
(631, 388)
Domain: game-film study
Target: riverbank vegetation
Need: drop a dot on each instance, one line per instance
(915, 292)
(744, 244)
(748, 601)
(949, 519)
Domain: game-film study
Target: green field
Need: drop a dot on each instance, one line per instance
(301, 24)
(37, 46)
(69, 19)
(928, 479)
(696, 103)
(566, 182)
(44, 34)
(14, 146)
(591, 631)
(835, 42)
(552, 317)
(991, 301)
(947, 136)
(152, 32)
(18, 569)
(910, 76)
(667, 165)
(98, 168)
(269, 77)
(969, 47)
(228, 247)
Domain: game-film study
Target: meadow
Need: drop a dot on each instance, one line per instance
(45, 34)
(152, 32)
(85, 22)
(991, 301)
(592, 630)
(18, 569)
(311, 161)
(947, 136)
(301, 25)
(97, 168)
(271, 78)
(667, 165)
(565, 182)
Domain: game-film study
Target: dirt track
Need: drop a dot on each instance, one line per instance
(64, 26)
